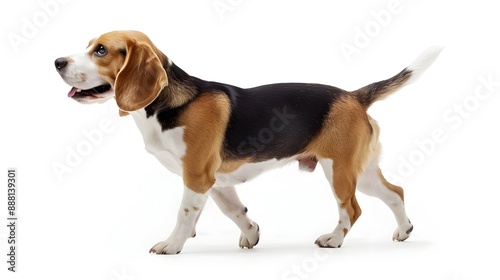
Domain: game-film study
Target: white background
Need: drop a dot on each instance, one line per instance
(99, 220)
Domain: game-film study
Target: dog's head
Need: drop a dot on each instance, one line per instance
(121, 64)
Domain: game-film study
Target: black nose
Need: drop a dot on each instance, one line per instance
(61, 63)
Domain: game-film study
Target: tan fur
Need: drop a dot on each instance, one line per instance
(176, 94)
(390, 186)
(229, 166)
(369, 94)
(122, 113)
(204, 122)
(375, 153)
(140, 79)
(345, 138)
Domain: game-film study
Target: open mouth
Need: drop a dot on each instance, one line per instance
(89, 93)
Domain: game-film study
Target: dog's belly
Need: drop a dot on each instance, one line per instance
(249, 171)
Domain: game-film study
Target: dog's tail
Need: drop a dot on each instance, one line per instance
(369, 94)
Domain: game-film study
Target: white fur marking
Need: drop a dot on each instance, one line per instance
(81, 72)
(192, 204)
(167, 146)
(423, 62)
(370, 184)
(229, 203)
(335, 238)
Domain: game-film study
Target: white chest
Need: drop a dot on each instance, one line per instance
(167, 146)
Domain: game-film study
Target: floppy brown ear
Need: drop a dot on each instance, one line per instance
(122, 113)
(140, 79)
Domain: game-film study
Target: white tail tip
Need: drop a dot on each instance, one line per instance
(423, 62)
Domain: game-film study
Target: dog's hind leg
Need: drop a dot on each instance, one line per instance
(342, 147)
(229, 203)
(342, 178)
(373, 183)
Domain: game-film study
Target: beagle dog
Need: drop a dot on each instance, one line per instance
(217, 135)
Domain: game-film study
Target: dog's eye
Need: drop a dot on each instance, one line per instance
(100, 51)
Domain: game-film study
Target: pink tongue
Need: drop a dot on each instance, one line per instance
(72, 92)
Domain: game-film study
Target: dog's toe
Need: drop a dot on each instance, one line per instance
(166, 248)
(330, 240)
(251, 238)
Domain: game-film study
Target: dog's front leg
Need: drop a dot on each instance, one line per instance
(229, 203)
(204, 122)
(191, 206)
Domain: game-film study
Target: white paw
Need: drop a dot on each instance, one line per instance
(402, 234)
(251, 238)
(167, 248)
(330, 240)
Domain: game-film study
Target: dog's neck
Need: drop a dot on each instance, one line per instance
(179, 91)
